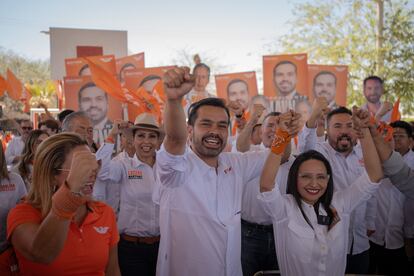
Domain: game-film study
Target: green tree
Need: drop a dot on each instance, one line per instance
(345, 32)
(35, 73)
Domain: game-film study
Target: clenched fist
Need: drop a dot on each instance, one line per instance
(177, 82)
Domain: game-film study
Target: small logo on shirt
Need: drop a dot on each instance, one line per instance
(226, 171)
(101, 229)
(134, 174)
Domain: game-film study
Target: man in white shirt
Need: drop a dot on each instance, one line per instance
(16, 145)
(201, 186)
(258, 250)
(347, 164)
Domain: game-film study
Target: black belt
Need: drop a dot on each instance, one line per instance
(267, 228)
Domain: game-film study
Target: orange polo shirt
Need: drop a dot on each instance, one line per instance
(86, 250)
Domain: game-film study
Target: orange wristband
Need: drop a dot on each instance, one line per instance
(65, 203)
(281, 140)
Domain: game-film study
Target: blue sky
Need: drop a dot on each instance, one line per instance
(233, 32)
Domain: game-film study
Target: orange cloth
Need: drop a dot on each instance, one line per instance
(14, 86)
(3, 85)
(86, 250)
(105, 80)
(395, 114)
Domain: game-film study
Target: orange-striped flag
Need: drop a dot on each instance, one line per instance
(14, 86)
(105, 80)
(3, 85)
(395, 114)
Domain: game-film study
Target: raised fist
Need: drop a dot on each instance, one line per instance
(177, 82)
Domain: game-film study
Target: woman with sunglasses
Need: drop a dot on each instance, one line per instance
(311, 222)
(59, 229)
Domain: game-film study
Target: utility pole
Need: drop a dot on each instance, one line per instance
(380, 37)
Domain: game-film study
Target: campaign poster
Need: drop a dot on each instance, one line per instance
(77, 67)
(123, 64)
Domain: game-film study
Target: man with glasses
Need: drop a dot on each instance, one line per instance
(16, 145)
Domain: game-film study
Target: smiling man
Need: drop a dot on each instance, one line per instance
(201, 186)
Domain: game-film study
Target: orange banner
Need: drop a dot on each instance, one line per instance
(147, 77)
(14, 86)
(285, 80)
(3, 85)
(329, 81)
(123, 64)
(237, 86)
(82, 94)
(76, 67)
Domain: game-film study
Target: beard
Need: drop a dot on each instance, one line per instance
(373, 99)
(342, 147)
(200, 147)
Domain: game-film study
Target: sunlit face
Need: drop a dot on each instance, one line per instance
(341, 135)
(304, 109)
(402, 143)
(268, 130)
(285, 79)
(238, 91)
(26, 127)
(94, 102)
(87, 188)
(83, 127)
(201, 79)
(325, 86)
(312, 180)
(373, 91)
(146, 143)
(208, 136)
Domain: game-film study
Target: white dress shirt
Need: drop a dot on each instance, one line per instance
(200, 209)
(14, 149)
(345, 171)
(409, 202)
(138, 214)
(302, 250)
(11, 191)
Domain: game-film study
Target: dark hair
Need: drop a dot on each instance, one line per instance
(339, 110)
(148, 78)
(271, 114)
(283, 63)
(88, 85)
(200, 65)
(62, 115)
(52, 124)
(236, 81)
(324, 73)
(376, 78)
(406, 126)
(28, 154)
(126, 65)
(83, 68)
(192, 111)
(292, 187)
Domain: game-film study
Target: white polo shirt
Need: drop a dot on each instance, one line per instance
(345, 171)
(138, 214)
(11, 191)
(200, 209)
(302, 250)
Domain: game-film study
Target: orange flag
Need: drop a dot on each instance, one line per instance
(395, 114)
(148, 102)
(14, 87)
(158, 91)
(59, 93)
(3, 85)
(105, 80)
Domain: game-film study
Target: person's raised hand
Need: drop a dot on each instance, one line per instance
(177, 83)
(82, 171)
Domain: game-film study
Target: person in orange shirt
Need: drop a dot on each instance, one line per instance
(58, 229)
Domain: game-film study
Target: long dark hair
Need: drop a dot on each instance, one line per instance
(292, 187)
